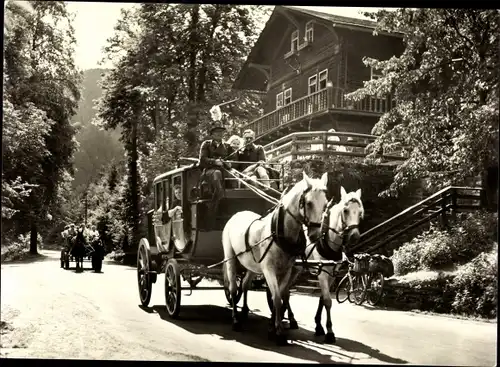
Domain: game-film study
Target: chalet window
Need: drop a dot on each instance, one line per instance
(312, 84)
(323, 77)
(279, 100)
(287, 96)
(309, 31)
(375, 74)
(295, 41)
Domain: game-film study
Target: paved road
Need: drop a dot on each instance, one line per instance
(48, 312)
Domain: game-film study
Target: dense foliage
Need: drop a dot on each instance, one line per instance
(446, 85)
(439, 249)
(41, 93)
(466, 259)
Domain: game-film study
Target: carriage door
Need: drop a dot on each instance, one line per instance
(162, 223)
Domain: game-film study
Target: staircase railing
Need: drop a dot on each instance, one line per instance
(443, 203)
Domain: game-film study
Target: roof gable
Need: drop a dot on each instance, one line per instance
(255, 80)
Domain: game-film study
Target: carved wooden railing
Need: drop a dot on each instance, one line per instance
(304, 145)
(322, 101)
(441, 205)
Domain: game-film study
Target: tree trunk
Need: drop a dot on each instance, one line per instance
(33, 238)
(489, 182)
(134, 185)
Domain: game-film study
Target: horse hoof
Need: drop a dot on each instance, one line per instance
(237, 326)
(281, 340)
(319, 331)
(244, 314)
(330, 339)
(294, 325)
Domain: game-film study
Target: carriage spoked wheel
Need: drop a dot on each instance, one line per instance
(143, 275)
(239, 289)
(375, 288)
(173, 288)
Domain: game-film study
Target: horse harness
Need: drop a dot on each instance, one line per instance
(293, 248)
(322, 243)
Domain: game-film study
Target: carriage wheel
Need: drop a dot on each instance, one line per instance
(239, 289)
(343, 291)
(173, 288)
(375, 288)
(270, 303)
(143, 276)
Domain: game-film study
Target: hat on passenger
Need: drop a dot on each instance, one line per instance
(216, 127)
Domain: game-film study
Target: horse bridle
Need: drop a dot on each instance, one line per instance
(325, 225)
(304, 219)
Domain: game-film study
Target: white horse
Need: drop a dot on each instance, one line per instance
(339, 230)
(270, 245)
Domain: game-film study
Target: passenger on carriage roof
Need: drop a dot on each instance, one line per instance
(212, 154)
(255, 153)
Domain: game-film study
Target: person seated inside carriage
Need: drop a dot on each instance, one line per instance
(252, 152)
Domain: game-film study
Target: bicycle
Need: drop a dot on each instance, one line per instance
(363, 282)
(350, 286)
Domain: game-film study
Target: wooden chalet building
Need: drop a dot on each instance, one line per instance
(304, 62)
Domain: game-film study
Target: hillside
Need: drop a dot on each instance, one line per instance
(97, 148)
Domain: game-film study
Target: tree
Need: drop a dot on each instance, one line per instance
(167, 76)
(41, 81)
(446, 87)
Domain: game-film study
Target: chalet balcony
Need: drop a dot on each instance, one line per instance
(321, 144)
(324, 101)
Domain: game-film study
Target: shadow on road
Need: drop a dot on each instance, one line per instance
(210, 319)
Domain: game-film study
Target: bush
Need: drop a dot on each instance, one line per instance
(475, 286)
(407, 258)
(473, 235)
(436, 250)
(439, 249)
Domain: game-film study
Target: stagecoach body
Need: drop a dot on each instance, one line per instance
(200, 240)
(190, 246)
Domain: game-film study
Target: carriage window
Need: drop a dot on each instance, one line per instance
(177, 191)
(158, 195)
(165, 195)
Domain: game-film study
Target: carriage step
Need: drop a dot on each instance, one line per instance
(307, 289)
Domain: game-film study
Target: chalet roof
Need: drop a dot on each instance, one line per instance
(337, 19)
(251, 79)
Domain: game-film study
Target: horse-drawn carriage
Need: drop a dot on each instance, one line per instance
(253, 231)
(185, 247)
(92, 251)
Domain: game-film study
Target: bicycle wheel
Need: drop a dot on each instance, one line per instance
(359, 289)
(343, 290)
(375, 288)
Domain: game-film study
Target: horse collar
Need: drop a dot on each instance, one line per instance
(293, 248)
